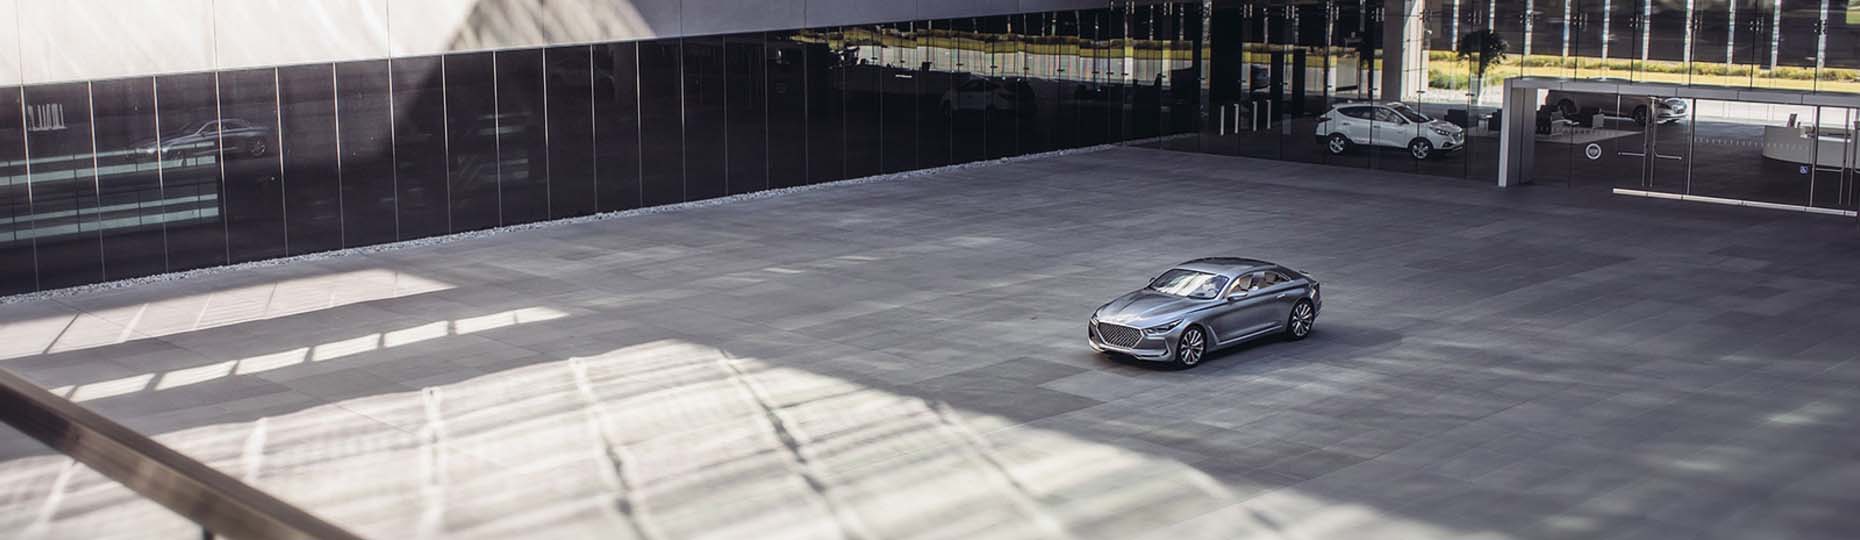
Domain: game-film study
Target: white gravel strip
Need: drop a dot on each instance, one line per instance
(482, 233)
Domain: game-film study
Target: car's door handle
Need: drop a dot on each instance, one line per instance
(1285, 295)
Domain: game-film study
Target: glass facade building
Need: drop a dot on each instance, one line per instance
(128, 177)
(1277, 67)
(122, 178)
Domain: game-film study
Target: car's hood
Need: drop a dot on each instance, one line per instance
(1445, 125)
(1144, 308)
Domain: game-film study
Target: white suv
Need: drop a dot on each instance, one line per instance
(1389, 124)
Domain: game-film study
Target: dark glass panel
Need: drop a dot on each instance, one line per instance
(933, 85)
(747, 110)
(862, 70)
(64, 185)
(422, 190)
(706, 148)
(190, 170)
(1182, 86)
(522, 147)
(250, 165)
(787, 109)
(129, 179)
(1090, 91)
(1001, 104)
(312, 181)
(18, 271)
(661, 118)
(471, 140)
(966, 103)
(1114, 36)
(570, 104)
(364, 121)
(1039, 74)
(1149, 45)
(826, 125)
(897, 90)
(616, 126)
(1072, 81)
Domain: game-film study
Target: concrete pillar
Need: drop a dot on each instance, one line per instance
(1404, 50)
(1517, 135)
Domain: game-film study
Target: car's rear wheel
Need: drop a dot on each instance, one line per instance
(1338, 144)
(1191, 347)
(1299, 323)
(1641, 116)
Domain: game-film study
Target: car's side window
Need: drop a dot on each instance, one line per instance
(1243, 284)
(1273, 279)
(1357, 112)
(1387, 116)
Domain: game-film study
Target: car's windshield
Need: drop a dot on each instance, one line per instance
(1409, 113)
(1189, 283)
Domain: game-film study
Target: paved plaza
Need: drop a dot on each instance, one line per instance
(907, 359)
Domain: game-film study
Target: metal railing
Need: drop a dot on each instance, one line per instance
(220, 504)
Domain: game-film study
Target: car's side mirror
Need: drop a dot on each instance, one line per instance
(1238, 295)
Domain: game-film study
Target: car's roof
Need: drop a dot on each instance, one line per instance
(1225, 265)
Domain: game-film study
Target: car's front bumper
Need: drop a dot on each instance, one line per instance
(1149, 348)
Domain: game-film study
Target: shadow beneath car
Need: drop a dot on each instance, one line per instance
(1324, 341)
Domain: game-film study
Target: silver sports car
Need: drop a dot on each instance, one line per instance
(1206, 304)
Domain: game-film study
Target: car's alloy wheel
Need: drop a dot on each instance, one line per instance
(1420, 148)
(1192, 346)
(255, 149)
(1640, 115)
(1304, 316)
(1338, 143)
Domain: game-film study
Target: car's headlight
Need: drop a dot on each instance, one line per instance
(1162, 328)
(1442, 130)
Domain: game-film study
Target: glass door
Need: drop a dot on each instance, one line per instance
(1669, 145)
(1256, 120)
(1831, 184)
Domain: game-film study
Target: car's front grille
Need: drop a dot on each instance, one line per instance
(1122, 336)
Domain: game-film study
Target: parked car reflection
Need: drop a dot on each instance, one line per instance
(240, 138)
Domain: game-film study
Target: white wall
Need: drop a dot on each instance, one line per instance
(44, 41)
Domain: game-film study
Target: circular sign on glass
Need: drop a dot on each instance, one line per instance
(1594, 151)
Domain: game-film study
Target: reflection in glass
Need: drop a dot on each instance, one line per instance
(570, 104)
(133, 211)
(249, 163)
(966, 101)
(661, 129)
(933, 81)
(706, 147)
(18, 271)
(747, 112)
(312, 174)
(65, 221)
(786, 69)
(190, 170)
(861, 66)
(899, 57)
(826, 126)
(365, 135)
(522, 151)
(422, 192)
(471, 140)
(616, 126)
(1001, 94)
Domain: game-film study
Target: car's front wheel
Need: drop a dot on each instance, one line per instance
(1420, 149)
(1338, 144)
(1191, 347)
(1303, 317)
